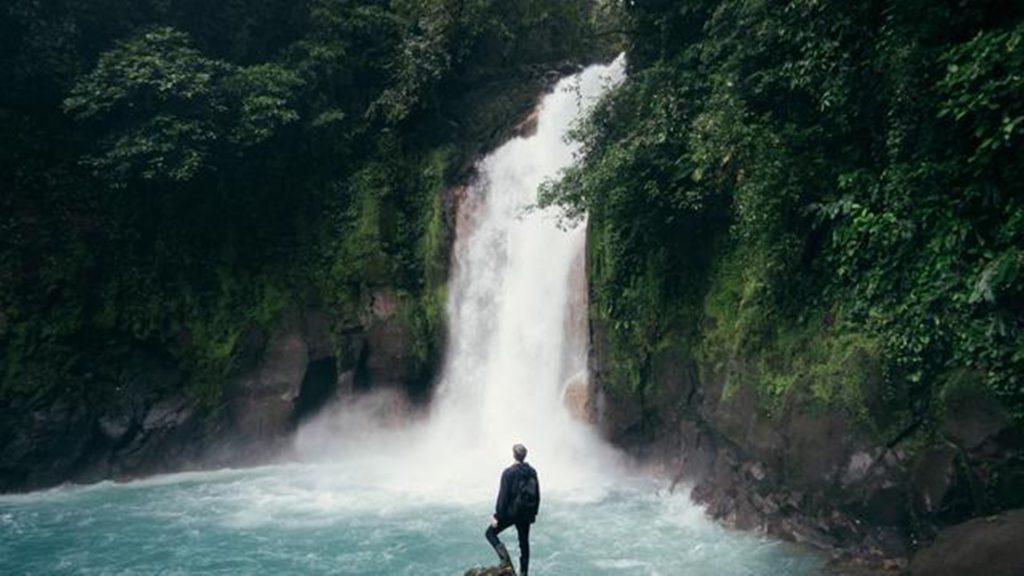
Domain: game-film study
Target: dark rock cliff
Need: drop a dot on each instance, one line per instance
(279, 378)
(807, 475)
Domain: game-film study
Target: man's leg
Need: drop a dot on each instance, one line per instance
(524, 547)
(492, 536)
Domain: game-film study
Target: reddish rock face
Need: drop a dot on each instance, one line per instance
(382, 364)
(579, 401)
(466, 208)
(528, 125)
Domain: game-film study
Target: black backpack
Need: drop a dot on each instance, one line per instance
(525, 498)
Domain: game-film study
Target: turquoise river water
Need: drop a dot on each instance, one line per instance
(312, 519)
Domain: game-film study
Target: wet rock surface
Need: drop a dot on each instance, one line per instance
(993, 546)
(490, 571)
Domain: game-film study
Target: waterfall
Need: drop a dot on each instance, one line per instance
(517, 334)
(514, 344)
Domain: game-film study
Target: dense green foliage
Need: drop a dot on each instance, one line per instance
(176, 173)
(818, 198)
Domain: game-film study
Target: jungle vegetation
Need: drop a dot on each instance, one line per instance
(813, 197)
(177, 172)
(816, 199)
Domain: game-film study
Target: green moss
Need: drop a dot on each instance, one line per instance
(818, 358)
(635, 316)
(423, 314)
(362, 258)
(434, 242)
(848, 372)
(214, 325)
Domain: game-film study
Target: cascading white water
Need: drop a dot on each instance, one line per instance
(512, 343)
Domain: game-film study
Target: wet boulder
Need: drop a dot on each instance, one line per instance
(393, 355)
(990, 546)
(491, 571)
(262, 399)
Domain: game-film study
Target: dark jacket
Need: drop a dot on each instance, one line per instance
(509, 479)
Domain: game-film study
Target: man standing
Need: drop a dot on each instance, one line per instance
(518, 501)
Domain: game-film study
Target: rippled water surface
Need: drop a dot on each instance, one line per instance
(322, 520)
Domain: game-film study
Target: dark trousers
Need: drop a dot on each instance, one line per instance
(523, 529)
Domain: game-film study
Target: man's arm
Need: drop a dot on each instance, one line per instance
(538, 488)
(503, 492)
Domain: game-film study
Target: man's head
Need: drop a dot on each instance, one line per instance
(519, 452)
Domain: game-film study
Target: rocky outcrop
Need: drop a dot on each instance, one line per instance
(389, 359)
(64, 438)
(800, 473)
(491, 571)
(150, 424)
(261, 400)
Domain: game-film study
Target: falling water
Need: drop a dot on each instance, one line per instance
(513, 344)
(372, 496)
